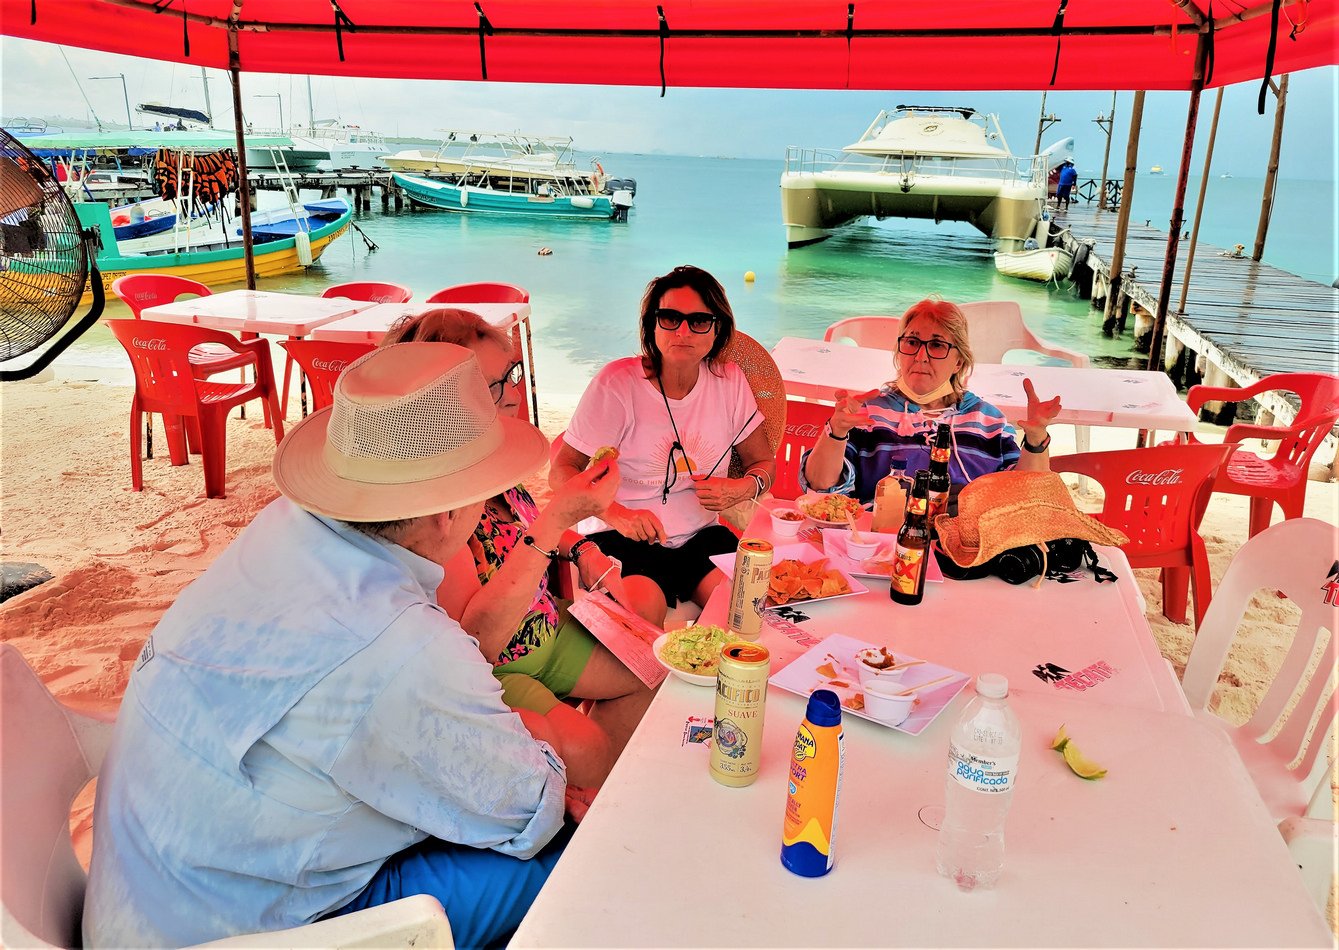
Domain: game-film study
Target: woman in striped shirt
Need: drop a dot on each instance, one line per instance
(891, 429)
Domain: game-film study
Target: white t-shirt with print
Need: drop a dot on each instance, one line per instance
(622, 408)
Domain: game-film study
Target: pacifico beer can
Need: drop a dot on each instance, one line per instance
(741, 698)
(748, 589)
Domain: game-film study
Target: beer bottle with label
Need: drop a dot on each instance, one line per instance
(912, 560)
(939, 484)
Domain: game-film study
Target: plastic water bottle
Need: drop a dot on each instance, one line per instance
(982, 765)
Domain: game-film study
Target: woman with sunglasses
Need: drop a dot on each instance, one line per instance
(891, 428)
(674, 413)
(499, 590)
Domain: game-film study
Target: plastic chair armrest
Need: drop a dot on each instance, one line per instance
(1239, 432)
(1197, 396)
(1061, 353)
(417, 921)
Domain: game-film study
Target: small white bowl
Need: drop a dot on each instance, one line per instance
(870, 674)
(866, 547)
(883, 705)
(786, 527)
(697, 679)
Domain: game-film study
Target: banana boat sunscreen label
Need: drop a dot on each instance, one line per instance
(815, 788)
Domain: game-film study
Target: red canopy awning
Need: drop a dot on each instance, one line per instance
(811, 44)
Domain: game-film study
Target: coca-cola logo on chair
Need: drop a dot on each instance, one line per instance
(159, 344)
(1168, 476)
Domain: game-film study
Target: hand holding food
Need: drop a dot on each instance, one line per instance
(585, 495)
(849, 411)
(605, 452)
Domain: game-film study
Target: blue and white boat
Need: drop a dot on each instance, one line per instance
(548, 203)
(143, 218)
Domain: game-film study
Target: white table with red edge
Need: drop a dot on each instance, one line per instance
(1173, 847)
(253, 312)
(1137, 399)
(370, 325)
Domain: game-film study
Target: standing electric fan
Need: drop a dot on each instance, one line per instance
(45, 258)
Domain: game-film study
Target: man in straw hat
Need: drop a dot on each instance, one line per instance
(306, 732)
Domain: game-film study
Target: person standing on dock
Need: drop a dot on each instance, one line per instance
(1068, 176)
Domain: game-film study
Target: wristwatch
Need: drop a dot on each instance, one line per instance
(1037, 449)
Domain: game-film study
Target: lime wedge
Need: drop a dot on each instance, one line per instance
(1082, 767)
(1058, 744)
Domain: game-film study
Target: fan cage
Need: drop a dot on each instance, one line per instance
(44, 261)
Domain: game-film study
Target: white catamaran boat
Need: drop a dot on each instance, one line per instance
(932, 162)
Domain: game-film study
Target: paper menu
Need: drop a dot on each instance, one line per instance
(627, 635)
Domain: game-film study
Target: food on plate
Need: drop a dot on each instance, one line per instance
(877, 658)
(605, 452)
(695, 649)
(1078, 763)
(831, 508)
(795, 580)
(825, 669)
(787, 515)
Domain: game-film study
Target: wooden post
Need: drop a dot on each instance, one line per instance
(1123, 218)
(1199, 207)
(243, 186)
(1267, 203)
(1178, 207)
(1106, 156)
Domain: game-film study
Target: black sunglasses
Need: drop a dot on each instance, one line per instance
(935, 349)
(671, 320)
(512, 375)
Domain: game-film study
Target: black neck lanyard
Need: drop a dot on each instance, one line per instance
(678, 444)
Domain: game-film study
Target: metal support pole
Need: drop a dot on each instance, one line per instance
(243, 185)
(1178, 207)
(1271, 175)
(1199, 207)
(1123, 218)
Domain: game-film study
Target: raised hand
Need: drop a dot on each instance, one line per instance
(586, 494)
(850, 411)
(1040, 414)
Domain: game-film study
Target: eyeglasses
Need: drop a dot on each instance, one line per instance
(935, 349)
(671, 320)
(512, 376)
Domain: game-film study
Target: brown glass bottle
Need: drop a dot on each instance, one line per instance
(906, 585)
(939, 482)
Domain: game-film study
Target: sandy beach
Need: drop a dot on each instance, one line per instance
(119, 558)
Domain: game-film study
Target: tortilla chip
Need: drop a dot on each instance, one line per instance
(825, 670)
(855, 701)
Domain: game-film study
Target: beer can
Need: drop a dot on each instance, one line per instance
(741, 698)
(748, 589)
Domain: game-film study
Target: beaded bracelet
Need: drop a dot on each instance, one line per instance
(551, 555)
(579, 548)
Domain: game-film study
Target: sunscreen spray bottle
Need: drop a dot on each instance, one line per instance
(815, 787)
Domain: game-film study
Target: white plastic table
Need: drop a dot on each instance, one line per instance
(1137, 399)
(370, 325)
(252, 312)
(1172, 848)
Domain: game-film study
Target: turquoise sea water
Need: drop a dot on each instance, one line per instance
(724, 215)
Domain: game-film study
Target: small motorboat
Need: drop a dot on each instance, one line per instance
(1042, 263)
(143, 218)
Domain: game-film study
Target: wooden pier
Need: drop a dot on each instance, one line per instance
(1243, 319)
(357, 184)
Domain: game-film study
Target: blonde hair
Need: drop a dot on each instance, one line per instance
(446, 325)
(952, 322)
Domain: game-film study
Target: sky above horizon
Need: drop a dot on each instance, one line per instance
(738, 123)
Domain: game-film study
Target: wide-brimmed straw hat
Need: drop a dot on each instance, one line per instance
(1006, 510)
(412, 431)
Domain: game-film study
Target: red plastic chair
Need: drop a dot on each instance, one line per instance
(1154, 496)
(323, 361)
(159, 353)
(149, 290)
(804, 425)
(375, 290)
(483, 292)
(1281, 477)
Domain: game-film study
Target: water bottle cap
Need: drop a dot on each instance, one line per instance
(992, 686)
(824, 708)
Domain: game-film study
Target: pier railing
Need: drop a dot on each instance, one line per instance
(814, 161)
